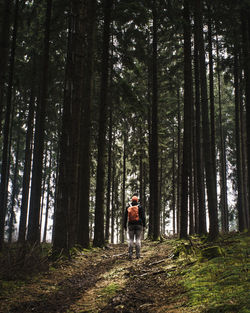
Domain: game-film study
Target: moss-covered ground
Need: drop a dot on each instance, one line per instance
(220, 282)
(172, 276)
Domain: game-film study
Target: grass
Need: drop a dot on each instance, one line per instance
(221, 284)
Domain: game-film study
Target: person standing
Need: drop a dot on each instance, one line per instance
(135, 220)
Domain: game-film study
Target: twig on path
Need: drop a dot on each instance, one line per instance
(157, 262)
(117, 255)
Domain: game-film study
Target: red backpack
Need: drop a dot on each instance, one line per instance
(133, 213)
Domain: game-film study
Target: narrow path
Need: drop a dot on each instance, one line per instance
(105, 281)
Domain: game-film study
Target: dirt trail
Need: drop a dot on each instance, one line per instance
(105, 281)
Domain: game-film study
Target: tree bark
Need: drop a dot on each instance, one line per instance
(27, 159)
(246, 65)
(201, 228)
(240, 206)
(223, 178)
(123, 186)
(4, 168)
(188, 99)
(178, 209)
(44, 174)
(33, 235)
(83, 228)
(209, 166)
(151, 173)
(194, 165)
(4, 51)
(66, 213)
(173, 188)
(101, 158)
(113, 202)
(243, 146)
(14, 190)
(107, 226)
(211, 89)
(48, 198)
(154, 141)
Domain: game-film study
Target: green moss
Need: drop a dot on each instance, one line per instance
(211, 252)
(225, 308)
(110, 290)
(220, 283)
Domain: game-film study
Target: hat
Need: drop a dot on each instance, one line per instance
(134, 199)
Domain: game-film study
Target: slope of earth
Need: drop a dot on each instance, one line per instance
(104, 281)
(172, 276)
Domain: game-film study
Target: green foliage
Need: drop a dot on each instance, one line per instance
(221, 283)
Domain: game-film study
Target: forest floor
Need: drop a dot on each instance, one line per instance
(169, 277)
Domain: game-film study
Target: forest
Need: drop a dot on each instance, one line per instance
(101, 100)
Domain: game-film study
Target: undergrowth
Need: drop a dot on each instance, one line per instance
(18, 262)
(221, 282)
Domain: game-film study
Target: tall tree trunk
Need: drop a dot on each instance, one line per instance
(4, 51)
(154, 141)
(117, 211)
(178, 209)
(66, 212)
(191, 171)
(33, 235)
(211, 90)
(188, 99)
(209, 166)
(191, 203)
(194, 165)
(151, 173)
(173, 188)
(223, 178)
(142, 174)
(83, 229)
(27, 159)
(149, 120)
(246, 62)
(241, 220)
(43, 189)
(107, 226)
(160, 193)
(13, 113)
(202, 228)
(110, 144)
(4, 168)
(99, 208)
(48, 197)
(14, 190)
(124, 185)
(243, 146)
(113, 202)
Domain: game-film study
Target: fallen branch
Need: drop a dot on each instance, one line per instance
(117, 255)
(157, 262)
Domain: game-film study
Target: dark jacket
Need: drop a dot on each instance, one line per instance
(142, 219)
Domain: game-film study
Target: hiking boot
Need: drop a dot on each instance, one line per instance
(130, 257)
(138, 256)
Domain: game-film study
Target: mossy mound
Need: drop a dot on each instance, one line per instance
(209, 253)
(220, 283)
(225, 308)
